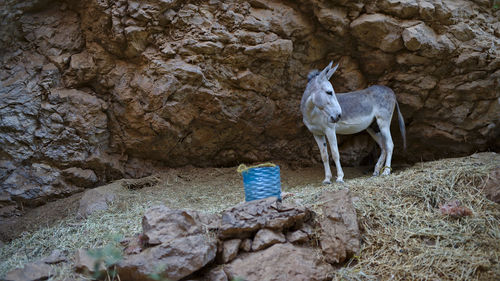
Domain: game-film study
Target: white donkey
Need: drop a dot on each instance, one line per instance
(327, 113)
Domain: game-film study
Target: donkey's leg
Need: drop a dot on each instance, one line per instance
(378, 139)
(385, 131)
(332, 139)
(323, 149)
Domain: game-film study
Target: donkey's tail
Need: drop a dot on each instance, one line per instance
(402, 127)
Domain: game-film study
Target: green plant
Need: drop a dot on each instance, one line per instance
(107, 256)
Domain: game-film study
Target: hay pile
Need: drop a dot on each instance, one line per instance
(404, 235)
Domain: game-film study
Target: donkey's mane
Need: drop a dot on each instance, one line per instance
(312, 74)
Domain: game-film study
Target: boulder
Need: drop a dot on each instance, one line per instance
(173, 260)
(297, 236)
(230, 249)
(334, 19)
(339, 233)
(421, 37)
(378, 31)
(31, 272)
(280, 262)
(246, 218)
(94, 200)
(265, 238)
(161, 224)
(80, 177)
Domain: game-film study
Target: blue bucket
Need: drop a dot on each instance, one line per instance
(262, 182)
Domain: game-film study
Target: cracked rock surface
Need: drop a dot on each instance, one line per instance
(119, 88)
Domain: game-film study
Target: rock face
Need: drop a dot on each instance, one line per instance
(116, 88)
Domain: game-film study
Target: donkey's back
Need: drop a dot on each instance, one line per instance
(361, 108)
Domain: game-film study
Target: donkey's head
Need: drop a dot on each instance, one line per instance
(322, 93)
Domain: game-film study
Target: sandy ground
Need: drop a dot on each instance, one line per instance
(188, 179)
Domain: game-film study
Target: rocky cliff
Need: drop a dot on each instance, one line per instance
(97, 90)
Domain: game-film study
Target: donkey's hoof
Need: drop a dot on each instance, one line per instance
(340, 181)
(386, 171)
(376, 174)
(327, 182)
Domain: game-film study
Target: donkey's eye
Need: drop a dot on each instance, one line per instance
(329, 93)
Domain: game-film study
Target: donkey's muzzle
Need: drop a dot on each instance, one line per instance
(335, 118)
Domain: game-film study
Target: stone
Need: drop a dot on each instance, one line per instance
(173, 260)
(265, 238)
(297, 236)
(280, 262)
(94, 200)
(80, 177)
(339, 233)
(56, 256)
(161, 224)
(230, 250)
(210, 221)
(419, 36)
(334, 19)
(246, 218)
(401, 8)
(82, 69)
(378, 31)
(217, 274)
(246, 245)
(31, 272)
(492, 186)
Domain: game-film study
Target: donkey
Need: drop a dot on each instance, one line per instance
(326, 114)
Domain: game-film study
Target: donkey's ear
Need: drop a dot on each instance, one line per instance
(327, 68)
(331, 72)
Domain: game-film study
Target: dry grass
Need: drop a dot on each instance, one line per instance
(404, 236)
